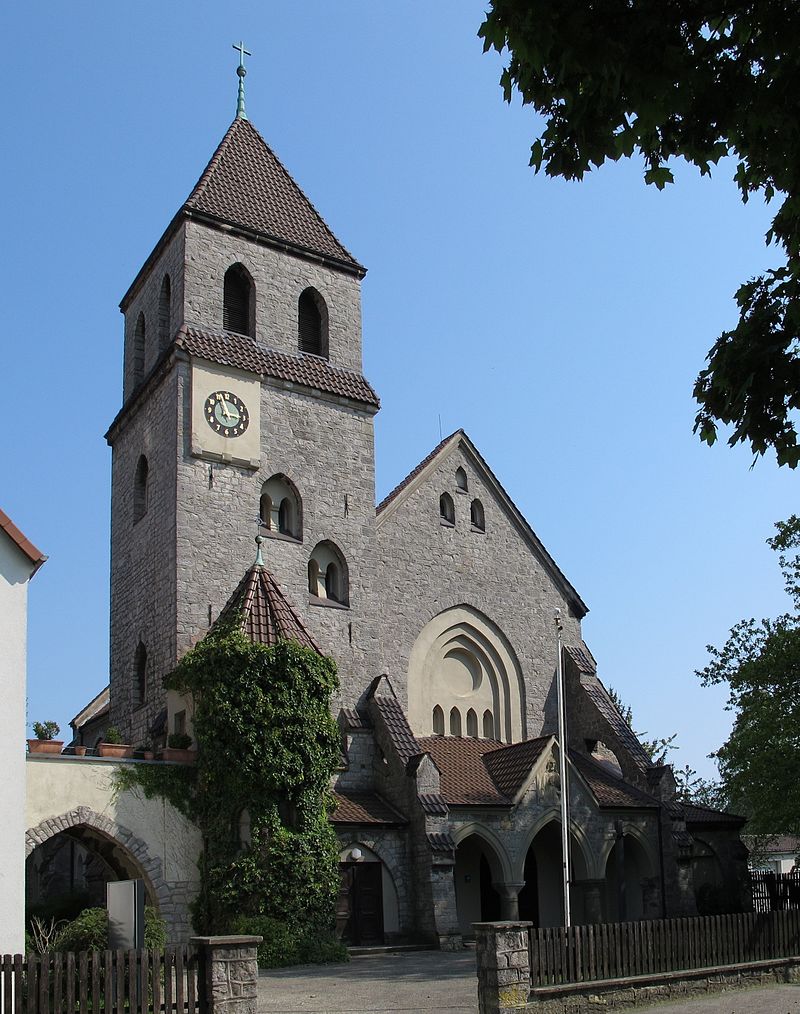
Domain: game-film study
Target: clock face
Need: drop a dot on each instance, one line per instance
(226, 414)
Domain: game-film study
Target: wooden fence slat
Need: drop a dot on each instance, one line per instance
(58, 982)
(83, 982)
(168, 963)
(132, 980)
(144, 983)
(95, 982)
(119, 981)
(156, 987)
(108, 982)
(191, 981)
(70, 984)
(179, 980)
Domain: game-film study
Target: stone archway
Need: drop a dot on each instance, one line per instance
(541, 898)
(631, 890)
(124, 852)
(478, 872)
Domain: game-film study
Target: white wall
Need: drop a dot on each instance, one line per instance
(15, 571)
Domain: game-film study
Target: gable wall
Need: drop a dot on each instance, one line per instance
(425, 568)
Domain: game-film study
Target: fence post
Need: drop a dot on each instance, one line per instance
(228, 979)
(504, 974)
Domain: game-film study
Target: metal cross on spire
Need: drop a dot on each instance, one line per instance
(241, 71)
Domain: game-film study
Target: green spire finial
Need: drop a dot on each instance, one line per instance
(241, 71)
(259, 558)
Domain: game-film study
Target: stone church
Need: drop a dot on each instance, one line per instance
(243, 399)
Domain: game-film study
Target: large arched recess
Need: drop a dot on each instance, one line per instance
(121, 849)
(462, 659)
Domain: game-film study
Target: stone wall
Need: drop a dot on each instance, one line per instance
(425, 567)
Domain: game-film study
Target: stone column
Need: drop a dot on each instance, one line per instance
(504, 974)
(592, 899)
(228, 981)
(509, 899)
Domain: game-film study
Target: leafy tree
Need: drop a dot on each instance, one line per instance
(701, 79)
(760, 662)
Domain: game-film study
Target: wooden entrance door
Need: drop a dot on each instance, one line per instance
(359, 913)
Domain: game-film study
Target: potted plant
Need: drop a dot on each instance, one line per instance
(80, 750)
(178, 748)
(112, 745)
(45, 741)
(144, 751)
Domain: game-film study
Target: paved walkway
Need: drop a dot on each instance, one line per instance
(426, 982)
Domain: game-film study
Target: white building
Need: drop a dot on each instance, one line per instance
(19, 561)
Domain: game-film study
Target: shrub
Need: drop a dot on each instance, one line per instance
(285, 944)
(179, 741)
(112, 735)
(89, 932)
(46, 730)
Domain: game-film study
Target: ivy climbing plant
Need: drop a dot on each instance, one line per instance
(267, 747)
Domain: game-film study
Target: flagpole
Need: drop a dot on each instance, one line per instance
(562, 767)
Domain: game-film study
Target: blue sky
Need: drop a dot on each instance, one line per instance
(561, 325)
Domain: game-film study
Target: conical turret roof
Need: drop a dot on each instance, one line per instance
(246, 185)
(264, 615)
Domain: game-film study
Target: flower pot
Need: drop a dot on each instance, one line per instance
(45, 745)
(147, 755)
(80, 751)
(171, 753)
(115, 750)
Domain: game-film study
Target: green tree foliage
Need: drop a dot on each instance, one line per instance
(760, 662)
(268, 746)
(700, 79)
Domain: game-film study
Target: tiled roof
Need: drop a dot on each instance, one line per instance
(364, 808)
(264, 614)
(705, 815)
(244, 353)
(581, 657)
(772, 844)
(465, 778)
(509, 766)
(23, 544)
(441, 841)
(433, 803)
(609, 791)
(414, 473)
(397, 726)
(598, 695)
(246, 185)
(353, 719)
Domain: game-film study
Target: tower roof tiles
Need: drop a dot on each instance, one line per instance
(263, 613)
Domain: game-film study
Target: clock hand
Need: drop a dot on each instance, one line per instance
(225, 411)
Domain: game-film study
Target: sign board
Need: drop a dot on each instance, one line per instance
(125, 907)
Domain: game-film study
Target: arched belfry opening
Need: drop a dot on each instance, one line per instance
(238, 301)
(312, 323)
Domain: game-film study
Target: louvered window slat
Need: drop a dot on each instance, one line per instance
(236, 302)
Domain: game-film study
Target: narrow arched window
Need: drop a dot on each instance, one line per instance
(138, 351)
(327, 573)
(438, 721)
(447, 514)
(281, 508)
(312, 323)
(140, 489)
(164, 303)
(238, 304)
(472, 724)
(488, 725)
(140, 673)
(455, 722)
(461, 480)
(476, 516)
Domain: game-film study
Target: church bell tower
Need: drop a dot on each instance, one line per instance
(244, 409)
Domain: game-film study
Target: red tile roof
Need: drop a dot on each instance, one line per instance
(705, 815)
(36, 556)
(599, 696)
(510, 765)
(264, 614)
(465, 778)
(611, 792)
(246, 354)
(246, 185)
(364, 808)
(403, 739)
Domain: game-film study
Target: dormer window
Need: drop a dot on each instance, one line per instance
(447, 513)
(164, 302)
(312, 324)
(238, 301)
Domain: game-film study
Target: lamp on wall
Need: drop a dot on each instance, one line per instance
(356, 854)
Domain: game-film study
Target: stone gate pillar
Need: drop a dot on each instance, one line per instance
(228, 983)
(504, 973)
